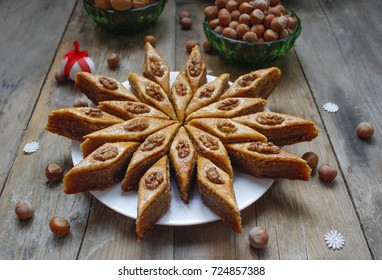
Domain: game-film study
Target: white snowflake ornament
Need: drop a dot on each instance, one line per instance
(334, 240)
(31, 147)
(330, 107)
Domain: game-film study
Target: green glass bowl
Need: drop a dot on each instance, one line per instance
(253, 54)
(129, 21)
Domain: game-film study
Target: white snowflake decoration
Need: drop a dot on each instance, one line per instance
(330, 107)
(334, 240)
(31, 147)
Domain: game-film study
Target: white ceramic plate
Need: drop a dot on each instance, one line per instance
(248, 189)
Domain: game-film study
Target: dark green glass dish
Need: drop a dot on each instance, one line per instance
(253, 54)
(129, 21)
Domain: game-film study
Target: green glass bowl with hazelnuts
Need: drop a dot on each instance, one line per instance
(252, 41)
(123, 16)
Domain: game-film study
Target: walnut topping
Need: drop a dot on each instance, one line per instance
(136, 125)
(228, 104)
(180, 89)
(153, 180)
(264, 148)
(93, 112)
(135, 108)
(195, 66)
(246, 80)
(209, 142)
(108, 83)
(213, 176)
(154, 92)
(270, 118)
(226, 127)
(206, 92)
(152, 142)
(156, 67)
(106, 153)
(183, 148)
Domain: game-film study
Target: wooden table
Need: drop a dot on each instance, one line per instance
(336, 59)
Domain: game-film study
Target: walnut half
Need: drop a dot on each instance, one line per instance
(153, 180)
(152, 142)
(263, 148)
(108, 83)
(209, 142)
(213, 176)
(106, 153)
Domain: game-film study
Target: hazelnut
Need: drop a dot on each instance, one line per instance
(219, 29)
(183, 14)
(53, 172)
(186, 23)
(60, 76)
(311, 159)
(258, 238)
(230, 33)
(213, 23)
(121, 5)
(224, 17)
(59, 226)
(283, 33)
(102, 4)
(245, 18)
(24, 209)
(150, 39)
(268, 20)
(257, 16)
(207, 47)
(327, 172)
(245, 8)
(233, 24)
(113, 60)
(279, 23)
(365, 130)
(258, 29)
(211, 12)
(274, 11)
(250, 37)
(270, 35)
(261, 5)
(231, 5)
(274, 2)
(190, 44)
(261, 40)
(80, 102)
(241, 29)
(220, 3)
(281, 8)
(235, 15)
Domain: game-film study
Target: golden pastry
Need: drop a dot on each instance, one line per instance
(208, 93)
(154, 196)
(196, 70)
(227, 130)
(229, 108)
(152, 149)
(216, 190)
(101, 169)
(131, 109)
(137, 130)
(183, 160)
(180, 95)
(152, 94)
(156, 68)
(258, 83)
(265, 160)
(75, 123)
(101, 88)
(210, 147)
(279, 128)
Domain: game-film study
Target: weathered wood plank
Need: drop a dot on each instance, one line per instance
(342, 64)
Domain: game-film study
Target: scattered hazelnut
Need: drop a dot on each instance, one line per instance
(186, 23)
(150, 39)
(113, 60)
(258, 238)
(59, 226)
(24, 209)
(183, 14)
(311, 159)
(190, 44)
(327, 172)
(60, 76)
(53, 172)
(80, 102)
(207, 47)
(365, 130)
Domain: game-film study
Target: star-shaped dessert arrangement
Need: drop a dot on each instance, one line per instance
(193, 129)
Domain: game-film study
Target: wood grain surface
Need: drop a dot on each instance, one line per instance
(328, 64)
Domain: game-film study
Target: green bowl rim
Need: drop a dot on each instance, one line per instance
(127, 11)
(296, 31)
